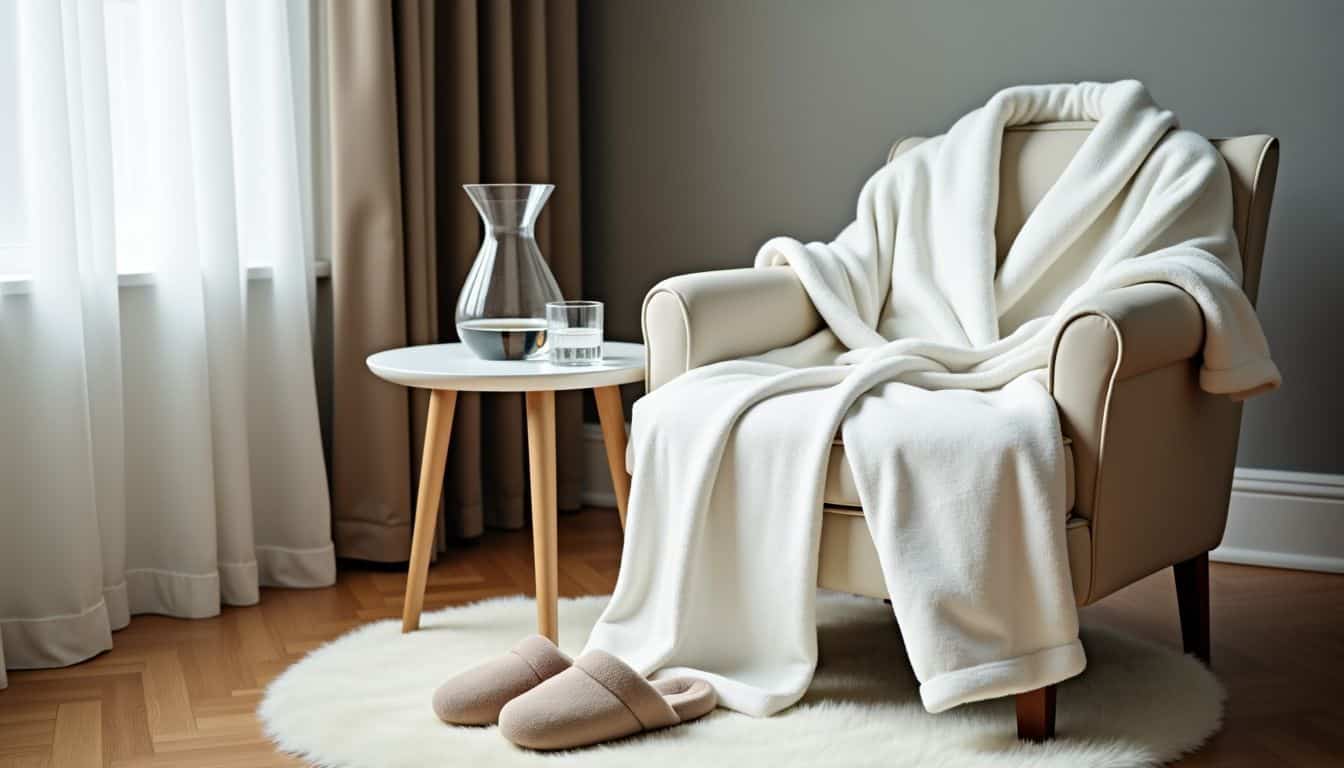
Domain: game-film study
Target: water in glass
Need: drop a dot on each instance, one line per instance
(574, 332)
(576, 346)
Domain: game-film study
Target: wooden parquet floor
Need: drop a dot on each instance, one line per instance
(182, 693)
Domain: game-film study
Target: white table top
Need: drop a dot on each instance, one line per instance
(453, 366)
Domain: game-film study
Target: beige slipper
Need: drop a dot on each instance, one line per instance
(474, 697)
(599, 699)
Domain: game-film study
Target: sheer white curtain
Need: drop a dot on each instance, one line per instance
(159, 443)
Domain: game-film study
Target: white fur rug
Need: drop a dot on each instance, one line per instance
(362, 701)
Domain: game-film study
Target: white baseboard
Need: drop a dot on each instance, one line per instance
(1285, 520)
(1277, 519)
(597, 490)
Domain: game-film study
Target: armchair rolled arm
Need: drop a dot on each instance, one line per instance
(1153, 453)
(1127, 332)
(705, 317)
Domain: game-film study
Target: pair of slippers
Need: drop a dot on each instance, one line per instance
(543, 700)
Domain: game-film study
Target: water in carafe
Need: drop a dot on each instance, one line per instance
(505, 338)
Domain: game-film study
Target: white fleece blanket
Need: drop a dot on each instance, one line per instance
(930, 367)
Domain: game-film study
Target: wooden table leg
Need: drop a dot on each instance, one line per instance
(612, 416)
(541, 462)
(438, 430)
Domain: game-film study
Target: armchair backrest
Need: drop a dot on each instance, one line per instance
(1034, 155)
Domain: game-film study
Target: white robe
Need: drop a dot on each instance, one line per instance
(930, 366)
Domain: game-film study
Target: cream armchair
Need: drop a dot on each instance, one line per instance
(1150, 455)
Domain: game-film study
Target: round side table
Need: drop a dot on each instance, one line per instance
(445, 370)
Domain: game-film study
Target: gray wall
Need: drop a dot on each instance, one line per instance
(710, 126)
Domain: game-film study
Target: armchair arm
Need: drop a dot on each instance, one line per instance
(1153, 453)
(1131, 330)
(702, 318)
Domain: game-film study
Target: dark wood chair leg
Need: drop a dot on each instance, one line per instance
(1036, 714)
(1192, 597)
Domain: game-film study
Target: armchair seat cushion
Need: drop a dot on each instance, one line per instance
(841, 491)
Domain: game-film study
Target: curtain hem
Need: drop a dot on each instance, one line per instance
(118, 606)
(56, 641)
(169, 593)
(59, 641)
(297, 568)
(374, 541)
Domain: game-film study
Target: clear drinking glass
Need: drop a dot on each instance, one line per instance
(574, 332)
(501, 313)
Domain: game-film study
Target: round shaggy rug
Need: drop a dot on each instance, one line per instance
(363, 701)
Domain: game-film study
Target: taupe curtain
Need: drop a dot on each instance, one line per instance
(423, 98)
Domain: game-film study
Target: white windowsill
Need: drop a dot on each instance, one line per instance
(20, 284)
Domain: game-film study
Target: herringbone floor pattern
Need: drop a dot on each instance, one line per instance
(182, 693)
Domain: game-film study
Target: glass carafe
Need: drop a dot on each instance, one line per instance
(501, 313)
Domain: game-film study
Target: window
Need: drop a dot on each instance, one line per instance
(123, 73)
(130, 99)
(126, 108)
(13, 230)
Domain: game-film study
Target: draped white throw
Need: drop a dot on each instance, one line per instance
(159, 441)
(930, 367)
